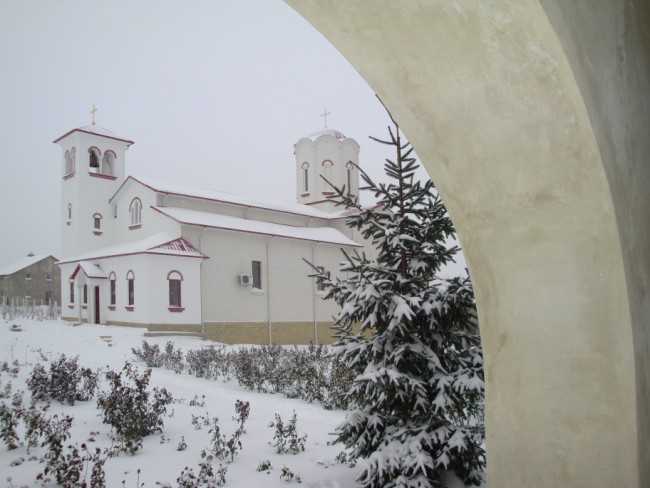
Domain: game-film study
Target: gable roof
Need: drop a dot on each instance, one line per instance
(223, 197)
(23, 263)
(91, 270)
(156, 244)
(187, 216)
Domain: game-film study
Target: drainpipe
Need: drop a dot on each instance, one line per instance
(201, 284)
(268, 291)
(313, 296)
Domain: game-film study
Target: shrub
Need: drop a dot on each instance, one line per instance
(222, 448)
(206, 478)
(264, 466)
(242, 411)
(131, 408)
(70, 470)
(65, 381)
(287, 475)
(285, 436)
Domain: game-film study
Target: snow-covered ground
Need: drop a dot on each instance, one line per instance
(158, 460)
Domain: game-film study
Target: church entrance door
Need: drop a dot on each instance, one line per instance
(97, 305)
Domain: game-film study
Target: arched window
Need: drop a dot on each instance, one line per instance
(85, 294)
(327, 173)
(130, 280)
(135, 209)
(108, 163)
(175, 279)
(93, 159)
(69, 212)
(68, 164)
(305, 177)
(349, 168)
(113, 288)
(97, 222)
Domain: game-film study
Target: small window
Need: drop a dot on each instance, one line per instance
(175, 279)
(97, 221)
(69, 212)
(305, 176)
(85, 294)
(93, 159)
(135, 209)
(68, 164)
(257, 274)
(28, 276)
(113, 287)
(48, 276)
(71, 293)
(130, 278)
(115, 210)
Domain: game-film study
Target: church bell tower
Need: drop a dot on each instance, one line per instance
(92, 170)
(330, 154)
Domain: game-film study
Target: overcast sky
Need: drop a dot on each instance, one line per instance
(213, 93)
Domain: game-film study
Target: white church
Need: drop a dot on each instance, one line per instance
(144, 253)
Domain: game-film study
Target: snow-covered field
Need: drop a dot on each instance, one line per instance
(159, 461)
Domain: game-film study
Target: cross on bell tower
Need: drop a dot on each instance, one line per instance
(93, 111)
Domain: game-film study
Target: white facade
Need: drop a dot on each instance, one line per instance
(199, 259)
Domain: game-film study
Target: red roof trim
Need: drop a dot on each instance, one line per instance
(148, 251)
(92, 133)
(253, 232)
(101, 175)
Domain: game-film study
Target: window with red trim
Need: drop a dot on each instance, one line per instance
(113, 286)
(130, 278)
(85, 294)
(175, 279)
(72, 292)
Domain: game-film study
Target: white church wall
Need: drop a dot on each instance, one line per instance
(151, 290)
(152, 221)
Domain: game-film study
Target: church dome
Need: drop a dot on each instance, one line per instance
(327, 132)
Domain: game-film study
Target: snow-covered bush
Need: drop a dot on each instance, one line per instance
(417, 361)
(242, 411)
(264, 465)
(153, 357)
(131, 408)
(70, 469)
(286, 439)
(287, 475)
(9, 418)
(64, 381)
(206, 478)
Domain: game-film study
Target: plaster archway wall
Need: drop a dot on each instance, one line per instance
(532, 118)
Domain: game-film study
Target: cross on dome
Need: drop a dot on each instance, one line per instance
(324, 115)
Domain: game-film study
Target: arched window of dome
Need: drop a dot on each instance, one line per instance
(327, 174)
(175, 280)
(108, 162)
(135, 210)
(305, 177)
(349, 167)
(93, 159)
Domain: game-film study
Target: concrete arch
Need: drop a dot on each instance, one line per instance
(531, 116)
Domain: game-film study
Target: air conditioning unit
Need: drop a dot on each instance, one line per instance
(245, 280)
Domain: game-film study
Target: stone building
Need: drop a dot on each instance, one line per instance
(32, 280)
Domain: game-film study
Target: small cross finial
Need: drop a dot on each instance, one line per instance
(324, 115)
(92, 113)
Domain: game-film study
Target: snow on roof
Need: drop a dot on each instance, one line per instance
(226, 222)
(156, 244)
(91, 270)
(22, 264)
(219, 196)
(96, 130)
(327, 132)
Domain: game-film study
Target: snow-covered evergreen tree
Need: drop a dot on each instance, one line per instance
(416, 401)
